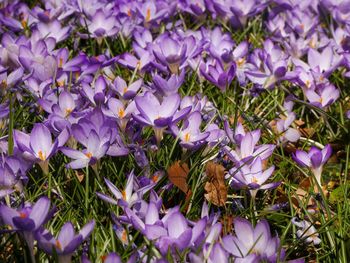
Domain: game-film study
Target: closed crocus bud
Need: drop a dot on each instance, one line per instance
(314, 159)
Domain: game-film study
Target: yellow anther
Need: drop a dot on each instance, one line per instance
(41, 155)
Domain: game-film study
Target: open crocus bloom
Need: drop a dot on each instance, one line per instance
(128, 197)
(38, 146)
(252, 242)
(27, 220)
(159, 115)
(67, 241)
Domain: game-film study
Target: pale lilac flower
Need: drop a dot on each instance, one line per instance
(190, 135)
(314, 159)
(27, 219)
(159, 114)
(307, 231)
(38, 146)
(129, 196)
(66, 242)
(253, 242)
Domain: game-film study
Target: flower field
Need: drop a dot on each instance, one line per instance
(174, 131)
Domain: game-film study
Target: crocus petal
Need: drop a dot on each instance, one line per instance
(7, 214)
(302, 158)
(87, 229)
(40, 140)
(115, 191)
(244, 231)
(106, 198)
(66, 234)
(24, 224)
(78, 164)
(40, 211)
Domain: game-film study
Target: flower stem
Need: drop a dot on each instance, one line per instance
(87, 190)
(11, 124)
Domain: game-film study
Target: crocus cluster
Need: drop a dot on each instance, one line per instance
(116, 86)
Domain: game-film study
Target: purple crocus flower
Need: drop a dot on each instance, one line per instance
(150, 11)
(190, 135)
(216, 254)
(252, 176)
(215, 72)
(253, 244)
(127, 92)
(171, 53)
(38, 60)
(9, 180)
(53, 29)
(159, 115)
(247, 149)
(96, 148)
(67, 241)
(239, 56)
(38, 146)
(103, 23)
(284, 131)
(323, 96)
(141, 63)
(171, 232)
(96, 93)
(128, 197)
(27, 219)
(194, 7)
(314, 159)
(348, 114)
(306, 231)
(220, 44)
(120, 111)
(112, 258)
(169, 86)
(325, 62)
(4, 112)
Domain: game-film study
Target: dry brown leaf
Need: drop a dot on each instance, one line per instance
(177, 174)
(304, 131)
(290, 148)
(307, 132)
(80, 176)
(227, 223)
(215, 186)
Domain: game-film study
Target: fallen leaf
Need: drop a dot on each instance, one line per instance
(80, 176)
(177, 174)
(215, 186)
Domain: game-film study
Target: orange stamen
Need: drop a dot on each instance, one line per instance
(89, 154)
(24, 23)
(58, 245)
(41, 155)
(124, 237)
(148, 14)
(68, 111)
(60, 64)
(121, 113)
(155, 178)
(22, 215)
(187, 137)
(240, 62)
(138, 65)
(124, 195)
